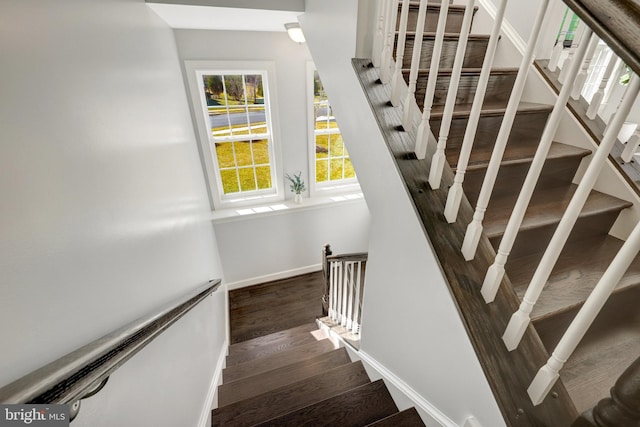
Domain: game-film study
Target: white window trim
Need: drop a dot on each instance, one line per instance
(320, 190)
(219, 200)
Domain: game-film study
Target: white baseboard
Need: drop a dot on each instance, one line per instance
(274, 276)
(213, 388)
(419, 401)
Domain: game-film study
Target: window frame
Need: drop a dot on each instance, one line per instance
(195, 70)
(316, 189)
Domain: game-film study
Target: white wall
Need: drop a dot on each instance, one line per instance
(410, 323)
(104, 212)
(258, 248)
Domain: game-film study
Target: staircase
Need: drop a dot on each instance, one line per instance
(299, 377)
(613, 341)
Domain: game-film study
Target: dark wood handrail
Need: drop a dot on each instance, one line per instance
(75, 375)
(356, 256)
(617, 22)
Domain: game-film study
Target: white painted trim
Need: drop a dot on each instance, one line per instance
(274, 276)
(213, 387)
(403, 387)
(507, 29)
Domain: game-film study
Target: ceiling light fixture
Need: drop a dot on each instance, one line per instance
(295, 32)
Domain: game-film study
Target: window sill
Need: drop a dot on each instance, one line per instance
(283, 207)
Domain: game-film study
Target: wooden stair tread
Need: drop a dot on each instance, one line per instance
(276, 347)
(296, 354)
(455, 8)
(256, 384)
(407, 418)
(465, 71)
(546, 207)
(516, 154)
(489, 108)
(447, 36)
(300, 394)
(576, 273)
(276, 337)
(611, 344)
(354, 408)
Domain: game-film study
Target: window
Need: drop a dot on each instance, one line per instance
(235, 124)
(330, 162)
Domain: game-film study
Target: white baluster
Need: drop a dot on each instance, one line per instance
(351, 292)
(557, 49)
(472, 237)
(424, 130)
(396, 79)
(355, 326)
(390, 35)
(339, 286)
(410, 99)
(496, 271)
(332, 290)
(581, 78)
(345, 296)
(549, 373)
(378, 38)
(631, 147)
(596, 101)
(520, 319)
(455, 192)
(438, 160)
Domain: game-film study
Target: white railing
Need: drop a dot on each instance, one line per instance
(588, 68)
(345, 289)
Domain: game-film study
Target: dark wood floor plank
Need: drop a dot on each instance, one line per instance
(270, 339)
(256, 384)
(291, 397)
(279, 347)
(257, 310)
(407, 418)
(354, 408)
(264, 364)
(508, 373)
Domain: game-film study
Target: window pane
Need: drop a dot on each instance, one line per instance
(322, 146)
(322, 171)
(247, 179)
(257, 120)
(336, 169)
(243, 153)
(261, 152)
(337, 145)
(264, 177)
(349, 171)
(224, 151)
(229, 181)
(253, 84)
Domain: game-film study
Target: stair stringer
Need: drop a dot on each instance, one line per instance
(411, 324)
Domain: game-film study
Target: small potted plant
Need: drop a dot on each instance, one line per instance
(297, 186)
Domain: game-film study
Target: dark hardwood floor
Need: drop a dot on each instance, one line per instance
(274, 306)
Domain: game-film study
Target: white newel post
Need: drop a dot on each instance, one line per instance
(581, 78)
(396, 79)
(472, 237)
(549, 373)
(389, 37)
(437, 163)
(455, 192)
(422, 137)
(521, 318)
(598, 97)
(407, 117)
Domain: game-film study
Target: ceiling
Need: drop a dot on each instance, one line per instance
(245, 15)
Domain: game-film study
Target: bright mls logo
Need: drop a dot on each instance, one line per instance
(34, 415)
